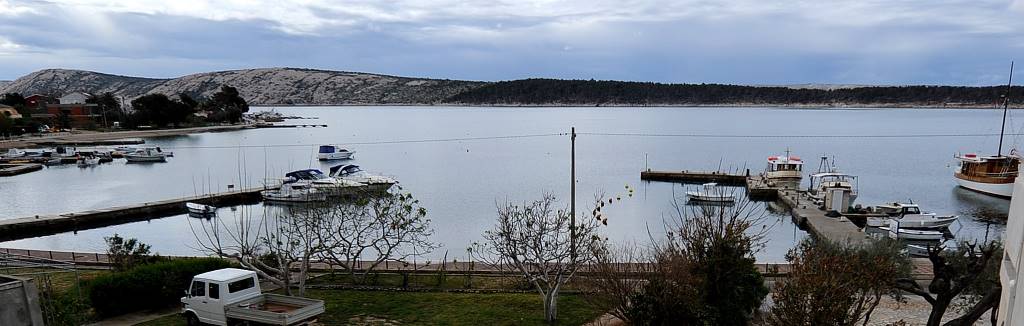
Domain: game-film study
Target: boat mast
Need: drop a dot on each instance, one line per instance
(1006, 106)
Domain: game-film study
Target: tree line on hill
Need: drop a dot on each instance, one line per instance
(591, 92)
(155, 109)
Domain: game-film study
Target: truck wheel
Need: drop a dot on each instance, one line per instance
(192, 320)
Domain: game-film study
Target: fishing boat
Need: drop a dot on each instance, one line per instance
(992, 175)
(148, 154)
(333, 152)
(351, 172)
(294, 192)
(786, 167)
(88, 161)
(712, 193)
(897, 232)
(64, 151)
(909, 215)
(200, 210)
(323, 183)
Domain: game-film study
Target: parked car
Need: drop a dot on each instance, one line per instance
(232, 296)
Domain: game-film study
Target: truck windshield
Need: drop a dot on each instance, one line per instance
(241, 285)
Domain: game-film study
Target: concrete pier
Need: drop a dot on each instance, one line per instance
(837, 229)
(40, 225)
(722, 178)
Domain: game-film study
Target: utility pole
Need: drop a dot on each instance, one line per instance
(572, 199)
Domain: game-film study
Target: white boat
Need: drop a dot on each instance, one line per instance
(922, 251)
(711, 192)
(148, 154)
(323, 183)
(296, 192)
(896, 232)
(64, 151)
(351, 172)
(200, 210)
(88, 161)
(910, 215)
(784, 167)
(333, 152)
(15, 153)
(992, 175)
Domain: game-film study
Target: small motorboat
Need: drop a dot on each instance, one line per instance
(352, 172)
(148, 154)
(53, 161)
(712, 193)
(200, 210)
(333, 152)
(86, 161)
(295, 192)
(922, 251)
(323, 183)
(15, 153)
(896, 232)
(910, 216)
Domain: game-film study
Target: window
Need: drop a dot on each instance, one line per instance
(198, 289)
(214, 291)
(241, 285)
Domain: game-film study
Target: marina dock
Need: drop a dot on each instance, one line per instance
(684, 176)
(804, 211)
(290, 126)
(40, 225)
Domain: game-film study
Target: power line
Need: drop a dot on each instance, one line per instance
(790, 136)
(382, 142)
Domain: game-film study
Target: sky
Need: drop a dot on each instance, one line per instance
(758, 42)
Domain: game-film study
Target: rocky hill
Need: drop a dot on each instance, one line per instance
(266, 86)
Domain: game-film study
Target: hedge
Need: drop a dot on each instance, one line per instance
(150, 286)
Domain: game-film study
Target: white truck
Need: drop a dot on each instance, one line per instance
(232, 296)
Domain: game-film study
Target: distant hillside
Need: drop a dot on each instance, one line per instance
(4, 83)
(591, 93)
(258, 86)
(283, 86)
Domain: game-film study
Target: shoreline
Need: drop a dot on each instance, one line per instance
(657, 106)
(88, 136)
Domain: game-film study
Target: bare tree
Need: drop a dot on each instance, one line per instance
(361, 235)
(537, 240)
(970, 270)
(272, 244)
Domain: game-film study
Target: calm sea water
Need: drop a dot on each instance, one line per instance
(461, 181)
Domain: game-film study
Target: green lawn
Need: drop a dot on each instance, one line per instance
(439, 308)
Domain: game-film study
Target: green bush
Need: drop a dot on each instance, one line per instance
(150, 286)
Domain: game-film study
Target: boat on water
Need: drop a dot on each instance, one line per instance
(992, 175)
(897, 232)
(15, 153)
(294, 192)
(64, 151)
(88, 161)
(352, 172)
(909, 215)
(711, 193)
(148, 154)
(53, 161)
(333, 152)
(786, 167)
(922, 250)
(323, 183)
(200, 210)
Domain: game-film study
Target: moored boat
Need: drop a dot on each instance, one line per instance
(897, 232)
(323, 183)
(909, 215)
(295, 192)
(786, 167)
(148, 154)
(88, 161)
(200, 210)
(992, 175)
(333, 152)
(712, 193)
(352, 172)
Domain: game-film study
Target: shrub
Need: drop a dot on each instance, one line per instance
(149, 286)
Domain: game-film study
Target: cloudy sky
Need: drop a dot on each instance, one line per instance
(961, 42)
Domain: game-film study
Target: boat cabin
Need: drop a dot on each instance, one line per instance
(987, 169)
(309, 174)
(899, 209)
(345, 170)
(784, 167)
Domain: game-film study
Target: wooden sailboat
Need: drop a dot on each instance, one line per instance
(992, 175)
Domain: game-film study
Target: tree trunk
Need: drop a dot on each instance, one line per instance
(551, 306)
(938, 309)
(988, 302)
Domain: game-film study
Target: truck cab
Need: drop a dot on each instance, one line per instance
(210, 293)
